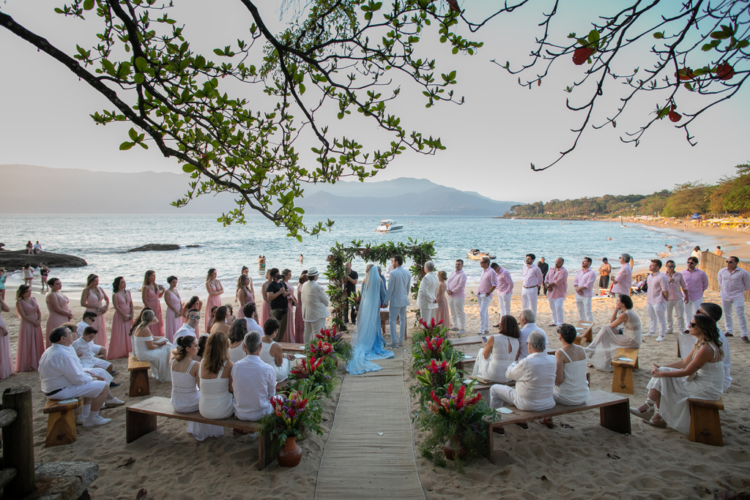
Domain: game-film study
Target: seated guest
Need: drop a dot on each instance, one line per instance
(211, 319)
(83, 348)
(62, 377)
(714, 311)
(189, 327)
(498, 352)
(89, 318)
(272, 354)
(699, 375)
(220, 321)
(534, 376)
(623, 331)
(230, 314)
(251, 317)
(256, 382)
(527, 322)
(571, 386)
(146, 347)
(216, 379)
(236, 337)
(185, 394)
(95, 372)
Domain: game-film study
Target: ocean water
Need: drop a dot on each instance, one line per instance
(103, 241)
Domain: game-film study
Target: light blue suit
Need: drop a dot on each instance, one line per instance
(399, 282)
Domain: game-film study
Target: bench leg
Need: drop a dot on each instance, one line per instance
(267, 450)
(138, 424)
(705, 426)
(616, 417)
(61, 428)
(139, 383)
(622, 379)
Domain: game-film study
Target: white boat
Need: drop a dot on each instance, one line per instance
(389, 226)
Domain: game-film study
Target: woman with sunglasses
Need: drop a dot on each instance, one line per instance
(699, 375)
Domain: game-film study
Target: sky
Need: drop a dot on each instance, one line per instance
(491, 139)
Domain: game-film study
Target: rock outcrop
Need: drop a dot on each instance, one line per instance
(154, 247)
(14, 260)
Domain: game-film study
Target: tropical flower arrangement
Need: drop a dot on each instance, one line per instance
(355, 299)
(434, 378)
(433, 329)
(315, 372)
(323, 351)
(343, 348)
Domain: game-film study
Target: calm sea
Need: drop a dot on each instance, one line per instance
(104, 240)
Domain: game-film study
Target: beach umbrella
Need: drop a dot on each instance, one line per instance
(695, 216)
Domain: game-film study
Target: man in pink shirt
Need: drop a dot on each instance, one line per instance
(504, 289)
(624, 276)
(532, 280)
(487, 285)
(455, 288)
(557, 289)
(697, 283)
(678, 291)
(733, 282)
(584, 286)
(656, 299)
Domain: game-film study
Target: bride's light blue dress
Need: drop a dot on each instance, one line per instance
(368, 340)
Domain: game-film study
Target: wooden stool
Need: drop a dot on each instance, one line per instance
(622, 377)
(138, 377)
(705, 424)
(61, 421)
(585, 334)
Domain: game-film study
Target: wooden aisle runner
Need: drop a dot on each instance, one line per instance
(357, 461)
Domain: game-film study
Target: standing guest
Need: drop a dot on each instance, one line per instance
(216, 379)
(398, 297)
(504, 290)
(498, 352)
(277, 295)
(677, 293)
(194, 304)
(244, 295)
(350, 287)
(214, 289)
(150, 294)
(289, 335)
(621, 282)
(544, 268)
(3, 277)
(190, 326)
(186, 395)
(556, 288)
(30, 247)
(299, 322)
(146, 347)
(656, 299)
(383, 310)
(427, 295)
(733, 281)
(584, 287)
(44, 273)
(251, 318)
(271, 352)
(715, 312)
(455, 288)
(57, 306)
(256, 382)
(122, 320)
(173, 318)
(314, 306)
(487, 285)
(697, 283)
(696, 253)
(220, 321)
(237, 333)
(6, 360)
(95, 300)
(604, 271)
(37, 247)
(82, 346)
(527, 322)
(718, 251)
(28, 274)
(623, 331)
(30, 338)
(443, 311)
(265, 311)
(532, 278)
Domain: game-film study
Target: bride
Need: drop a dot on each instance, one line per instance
(368, 339)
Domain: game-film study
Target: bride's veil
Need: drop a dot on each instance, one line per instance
(368, 314)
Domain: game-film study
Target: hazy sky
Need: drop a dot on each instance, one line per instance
(491, 140)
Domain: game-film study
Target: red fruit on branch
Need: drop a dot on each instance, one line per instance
(674, 116)
(685, 74)
(582, 54)
(724, 71)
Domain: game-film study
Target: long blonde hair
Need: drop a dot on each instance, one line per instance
(243, 282)
(146, 277)
(217, 352)
(90, 279)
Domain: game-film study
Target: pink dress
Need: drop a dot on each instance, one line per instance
(289, 335)
(443, 311)
(173, 321)
(55, 319)
(30, 339)
(249, 299)
(213, 300)
(152, 302)
(94, 301)
(6, 360)
(299, 324)
(119, 339)
(265, 311)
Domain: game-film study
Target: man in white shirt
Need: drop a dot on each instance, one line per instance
(314, 306)
(733, 281)
(82, 346)
(697, 283)
(254, 382)
(527, 322)
(534, 376)
(88, 320)
(532, 280)
(251, 318)
(584, 287)
(456, 290)
(487, 285)
(188, 328)
(656, 300)
(427, 295)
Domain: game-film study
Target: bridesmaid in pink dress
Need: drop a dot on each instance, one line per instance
(194, 303)
(122, 321)
(30, 338)
(6, 360)
(57, 306)
(92, 298)
(245, 294)
(443, 311)
(150, 295)
(173, 318)
(265, 311)
(299, 324)
(289, 335)
(214, 289)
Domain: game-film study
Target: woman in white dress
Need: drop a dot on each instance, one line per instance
(271, 353)
(499, 352)
(236, 337)
(216, 401)
(699, 375)
(146, 347)
(623, 331)
(185, 386)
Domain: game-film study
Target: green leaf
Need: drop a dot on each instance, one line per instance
(743, 43)
(658, 35)
(88, 4)
(200, 62)
(133, 134)
(126, 145)
(218, 52)
(707, 47)
(138, 78)
(594, 37)
(188, 168)
(141, 64)
(301, 88)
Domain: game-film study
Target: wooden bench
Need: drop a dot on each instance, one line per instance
(586, 333)
(614, 414)
(140, 419)
(61, 421)
(138, 377)
(473, 339)
(705, 424)
(292, 347)
(622, 377)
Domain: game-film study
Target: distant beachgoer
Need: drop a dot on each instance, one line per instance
(718, 251)
(265, 311)
(734, 281)
(214, 289)
(150, 295)
(30, 345)
(299, 322)
(120, 345)
(544, 268)
(95, 300)
(194, 303)
(669, 248)
(621, 282)
(57, 307)
(3, 277)
(301, 259)
(455, 288)
(697, 283)
(678, 292)
(556, 283)
(656, 299)
(443, 311)
(44, 273)
(604, 271)
(173, 316)
(6, 360)
(28, 274)
(244, 294)
(29, 248)
(532, 278)
(38, 248)
(584, 287)
(696, 253)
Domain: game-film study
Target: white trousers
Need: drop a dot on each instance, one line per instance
(584, 308)
(504, 303)
(427, 314)
(484, 313)
(528, 299)
(676, 308)
(556, 306)
(691, 307)
(397, 312)
(501, 394)
(312, 328)
(657, 314)
(458, 315)
(739, 306)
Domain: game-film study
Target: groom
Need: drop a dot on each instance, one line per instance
(398, 297)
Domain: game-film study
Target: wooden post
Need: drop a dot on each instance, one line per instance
(18, 442)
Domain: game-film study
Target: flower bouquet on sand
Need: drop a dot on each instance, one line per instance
(314, 371)
(343, 348)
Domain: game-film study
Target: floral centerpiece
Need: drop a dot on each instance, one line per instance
(434, 379)
(355, 299)
(343, 348)
(325, 351)
(314, 371)
(291, 417)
